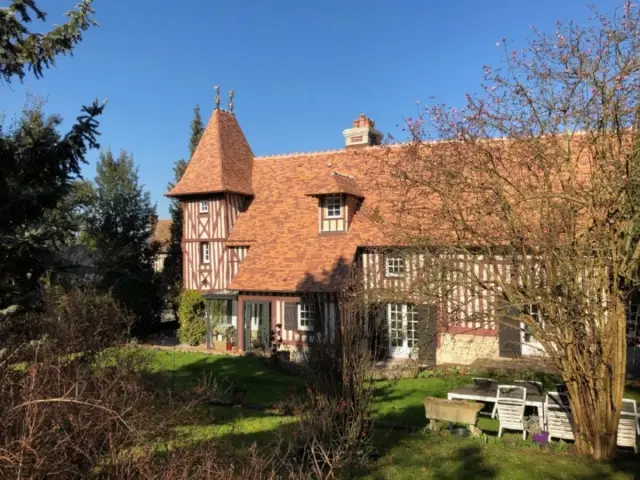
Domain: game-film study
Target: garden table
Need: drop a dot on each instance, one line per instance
(489, 394)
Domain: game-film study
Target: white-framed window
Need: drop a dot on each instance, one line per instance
(204, 252)
(533, 310)
(394, 266)
(203, 206)
(334, 206)
(305, 316)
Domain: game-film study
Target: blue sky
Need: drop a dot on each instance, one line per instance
(301, 70)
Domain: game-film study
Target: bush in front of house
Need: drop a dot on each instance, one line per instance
(191, 318)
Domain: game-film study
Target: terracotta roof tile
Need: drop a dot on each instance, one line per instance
(335, 183)
(222, 162)
(287, 253)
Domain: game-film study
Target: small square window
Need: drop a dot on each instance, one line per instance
(334, 207)
(394, 266)
(305, 316)
(204, 252)
(204, 206)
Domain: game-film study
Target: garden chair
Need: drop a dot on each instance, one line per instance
(484, 383)
(488, 384)
(558, 416)
(510, 404)
(531, 386)
(628, 427)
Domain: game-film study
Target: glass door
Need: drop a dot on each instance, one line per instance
(403, 329)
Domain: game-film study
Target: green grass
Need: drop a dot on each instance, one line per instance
(180, 370)
(403, 453)
(434, 457)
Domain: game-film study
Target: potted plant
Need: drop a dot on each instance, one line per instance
(532, 425)
(218, 340)
(230, 337)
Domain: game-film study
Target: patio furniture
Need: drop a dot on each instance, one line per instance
(489, 392)
(532, 386)
(488, 383)
(628, 427)
(510, 403)
(558, 416)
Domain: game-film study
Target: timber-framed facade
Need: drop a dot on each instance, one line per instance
(264, 234)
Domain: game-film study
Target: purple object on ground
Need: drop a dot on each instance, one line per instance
(542, 438)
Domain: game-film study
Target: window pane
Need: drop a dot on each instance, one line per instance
(334, 206)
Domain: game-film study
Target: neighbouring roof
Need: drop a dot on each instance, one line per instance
(222, 162)
(162, 233)
(335, 183)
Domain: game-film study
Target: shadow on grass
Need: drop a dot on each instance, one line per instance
(177, 371)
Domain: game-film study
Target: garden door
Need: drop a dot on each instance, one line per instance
(402, 320)
(257, 325)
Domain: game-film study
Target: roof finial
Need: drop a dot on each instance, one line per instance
(231, 101)
(217, 90)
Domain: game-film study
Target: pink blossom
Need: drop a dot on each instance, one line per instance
(497, 44)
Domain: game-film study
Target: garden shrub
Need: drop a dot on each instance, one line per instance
(191, 317)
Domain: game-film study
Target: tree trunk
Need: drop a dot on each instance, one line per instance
(595, 375)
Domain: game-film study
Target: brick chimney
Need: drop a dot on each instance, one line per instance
(363, 133)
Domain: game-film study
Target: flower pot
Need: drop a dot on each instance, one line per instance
(229, 346)
(541, 437)
(452, 411)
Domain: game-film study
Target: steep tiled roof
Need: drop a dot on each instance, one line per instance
(333, 183)
(222, 162)
(287, 253)
(162, 233)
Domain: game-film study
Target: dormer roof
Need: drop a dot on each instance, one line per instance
(334, 184)
(222, 162)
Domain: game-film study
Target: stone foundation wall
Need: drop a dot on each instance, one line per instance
(465, 349)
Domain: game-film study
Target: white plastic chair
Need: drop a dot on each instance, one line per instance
(510, 404)
(558, 416)
(486, 383)
(628, 426)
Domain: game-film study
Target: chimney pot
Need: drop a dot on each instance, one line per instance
(363, 133)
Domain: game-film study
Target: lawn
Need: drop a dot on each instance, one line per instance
(185, 369)
(405, 452)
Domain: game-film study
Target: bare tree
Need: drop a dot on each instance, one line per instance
(537, 180)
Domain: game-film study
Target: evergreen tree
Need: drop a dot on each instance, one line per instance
(38, 163)
(119, 224)
(172, 271)
(22, 50)
(197, 129)
(39, 167)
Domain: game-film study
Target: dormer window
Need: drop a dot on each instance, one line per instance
(394, 266)
(334, 206)
(204, 206)
(339, 198)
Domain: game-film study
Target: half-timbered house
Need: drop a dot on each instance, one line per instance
(262, 233)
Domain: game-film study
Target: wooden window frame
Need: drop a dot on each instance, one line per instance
(201, 204)
(205, 247)
(307, 309)
(340, 204)
(402, 266)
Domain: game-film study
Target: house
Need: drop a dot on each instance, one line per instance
(162, 235)
(262, 234)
